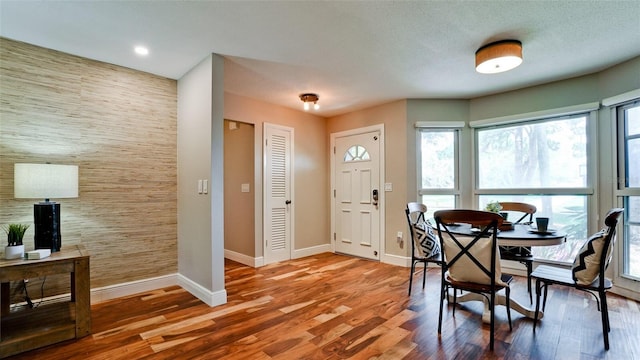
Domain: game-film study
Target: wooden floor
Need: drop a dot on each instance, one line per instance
(337, 307)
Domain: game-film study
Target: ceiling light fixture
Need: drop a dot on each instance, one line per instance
(141, 50)
(499, 56)
(309, 98)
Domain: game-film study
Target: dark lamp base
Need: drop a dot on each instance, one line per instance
(46, 217)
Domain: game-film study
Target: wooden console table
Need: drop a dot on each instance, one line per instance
(26, 329)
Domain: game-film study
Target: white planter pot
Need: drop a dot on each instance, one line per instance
(14, 252)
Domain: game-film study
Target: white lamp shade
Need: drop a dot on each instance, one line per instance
(45, 181)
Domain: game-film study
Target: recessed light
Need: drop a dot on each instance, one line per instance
(141, 50)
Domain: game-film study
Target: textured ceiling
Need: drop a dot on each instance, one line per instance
(353, 54)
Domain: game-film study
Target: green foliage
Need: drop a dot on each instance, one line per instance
(15, 233)
(494, 207)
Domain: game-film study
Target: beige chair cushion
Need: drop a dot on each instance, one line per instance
(586, 265)
(466, 270)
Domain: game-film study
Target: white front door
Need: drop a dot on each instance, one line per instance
(278, 201)
(357, 194)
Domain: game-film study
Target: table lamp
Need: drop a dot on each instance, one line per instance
(46, 181)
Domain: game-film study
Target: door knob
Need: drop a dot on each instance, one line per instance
(287, 202)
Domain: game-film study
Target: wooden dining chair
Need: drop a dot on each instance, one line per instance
(425, 247)
(472, 263)
(520, 254)
(587, 273)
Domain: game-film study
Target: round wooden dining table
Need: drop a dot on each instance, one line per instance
(521, 235)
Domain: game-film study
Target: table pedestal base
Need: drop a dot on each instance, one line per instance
(500, 300)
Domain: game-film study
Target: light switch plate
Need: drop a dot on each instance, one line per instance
(388, 187)
(245, 188)
(199, 186)
(205, 186)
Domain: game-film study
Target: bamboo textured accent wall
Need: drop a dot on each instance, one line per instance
(119, 126)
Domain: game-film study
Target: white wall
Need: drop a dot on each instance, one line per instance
(200, 150)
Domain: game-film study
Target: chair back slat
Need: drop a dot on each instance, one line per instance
(415, 213)
(527, 209)
(611, 221)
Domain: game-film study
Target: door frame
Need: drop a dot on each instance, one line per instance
(381, 192)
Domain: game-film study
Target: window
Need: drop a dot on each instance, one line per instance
(544, 163)
(437, 168)
(629, 186)
(356, 153)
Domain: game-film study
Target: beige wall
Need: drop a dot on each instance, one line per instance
(393, 115)
(239, 206)
(310, 166)
(579, 90)
(119, 127)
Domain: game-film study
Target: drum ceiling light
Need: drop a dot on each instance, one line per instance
(309, 98)
(499, 56)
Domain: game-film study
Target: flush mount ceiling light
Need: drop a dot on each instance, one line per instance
(309, 98)
(499, 56)
(141, 50)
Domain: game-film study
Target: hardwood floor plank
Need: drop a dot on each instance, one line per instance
(130, 327)
(335, 307)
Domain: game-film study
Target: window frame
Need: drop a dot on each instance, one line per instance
(622, 191)
(456, 129)
(590, 190)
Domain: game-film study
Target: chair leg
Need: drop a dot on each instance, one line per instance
(529, 265)
(538, 291)
(424, 275)
(413, 268)
(508, 294)
(604, 312)
(455, 301)
(443, 286)
(492, 323)
(544, 302)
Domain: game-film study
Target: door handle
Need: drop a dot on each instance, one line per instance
(287, 202)
(375, 197)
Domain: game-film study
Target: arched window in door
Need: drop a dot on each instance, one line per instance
(356, 153)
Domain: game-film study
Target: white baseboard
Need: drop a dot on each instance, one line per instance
(133, 287)
(513, 268)
(211, 298)
(630, 294)
(244, 259)
(314, 250)
(259, 261)
(396, 260)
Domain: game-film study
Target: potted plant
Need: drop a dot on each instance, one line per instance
(494, 206)
(15, 247)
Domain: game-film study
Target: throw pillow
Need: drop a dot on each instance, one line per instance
(586, 265)
(427, 243)
(464, 269)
